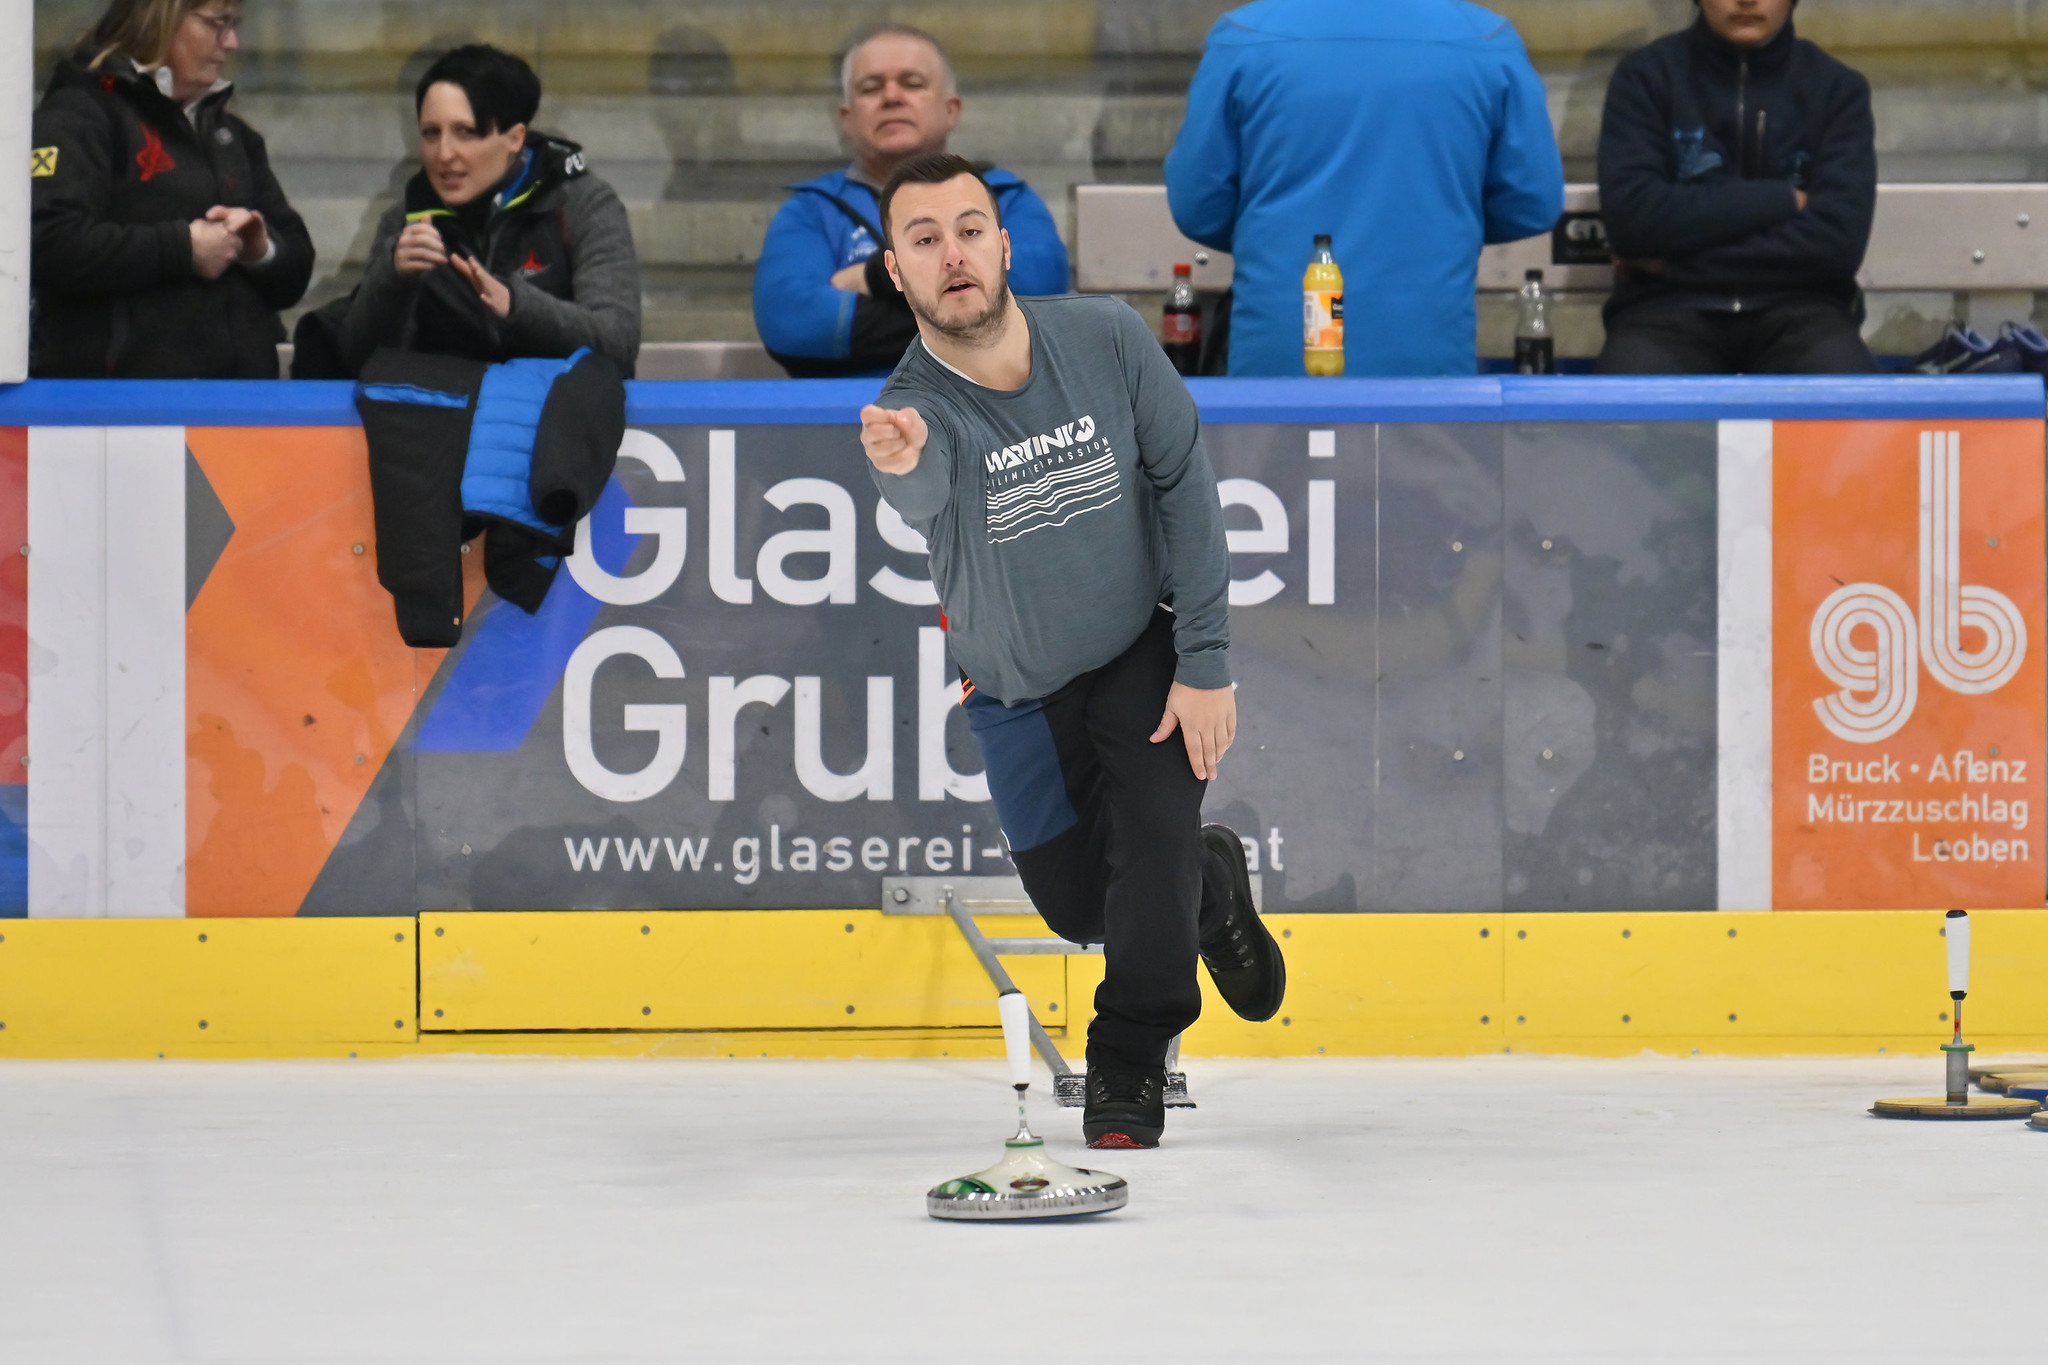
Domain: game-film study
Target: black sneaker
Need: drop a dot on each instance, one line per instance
(2026, 343)
(1243, 959)
(1962, 351)
(1126, 1107)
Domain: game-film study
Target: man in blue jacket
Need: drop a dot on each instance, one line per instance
(1738, 176)
(1414, 132)
(823, 304)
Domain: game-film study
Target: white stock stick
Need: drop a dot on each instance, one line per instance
(1016, 1012)
(1958, 927)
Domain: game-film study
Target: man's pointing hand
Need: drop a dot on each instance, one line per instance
(893, 440)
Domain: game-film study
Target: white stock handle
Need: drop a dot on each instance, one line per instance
(1957, 926)
(1016, 1012)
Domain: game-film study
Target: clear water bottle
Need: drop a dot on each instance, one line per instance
(1535, 349)
(1181, 324)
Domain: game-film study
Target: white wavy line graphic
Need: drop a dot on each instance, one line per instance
(1053, 498)
(1045, 525)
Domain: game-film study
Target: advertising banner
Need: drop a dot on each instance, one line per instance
(1555, 664)
(1908, 603)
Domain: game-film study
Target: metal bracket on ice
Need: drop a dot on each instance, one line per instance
(962, 898)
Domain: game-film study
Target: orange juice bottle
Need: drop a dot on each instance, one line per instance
(1322, 312)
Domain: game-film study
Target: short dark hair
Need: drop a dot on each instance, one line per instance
(934, 168)
(503, 91)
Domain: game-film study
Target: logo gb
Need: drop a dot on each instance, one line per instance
(1881, 685)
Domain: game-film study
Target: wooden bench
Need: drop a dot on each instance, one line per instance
(1987, 241)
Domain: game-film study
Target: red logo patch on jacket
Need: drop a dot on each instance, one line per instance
(534, 265)
(153, 160)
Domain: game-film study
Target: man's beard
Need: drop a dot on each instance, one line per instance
(976, 328)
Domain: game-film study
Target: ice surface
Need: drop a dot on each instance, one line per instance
(1499, 1209)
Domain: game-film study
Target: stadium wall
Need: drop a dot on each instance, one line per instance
(1540, 680)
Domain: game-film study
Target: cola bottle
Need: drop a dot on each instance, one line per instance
(1181, 323)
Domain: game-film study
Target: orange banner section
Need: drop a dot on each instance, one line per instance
(1908, 710)
(297, 684)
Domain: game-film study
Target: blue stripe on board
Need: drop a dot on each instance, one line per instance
(1572, 398)
(813, 402)
(504, 678)
(14, 850)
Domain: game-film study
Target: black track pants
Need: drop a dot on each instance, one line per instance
(1105, 829)
(1800, 336)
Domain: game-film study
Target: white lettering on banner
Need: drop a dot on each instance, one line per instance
(1322, 542)
(835, 542)
(876, 776)
(1015, 509)
(669, 525)
(899, 534)
(669, 722)
(727, 700)
(937, 699)
(1973, 849)
(1847, 808)
(1947, 604)
(782, 851)
(726, 583)
(1880, 685)
(1268, 538)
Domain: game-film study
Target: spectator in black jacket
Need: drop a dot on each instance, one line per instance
(162, 246)
(1738, 175)
(505, 245)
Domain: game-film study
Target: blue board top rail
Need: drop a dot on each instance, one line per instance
(752, 402)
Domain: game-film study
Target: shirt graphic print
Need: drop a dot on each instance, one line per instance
(1048, 480)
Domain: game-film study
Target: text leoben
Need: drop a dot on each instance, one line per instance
(1975, 849)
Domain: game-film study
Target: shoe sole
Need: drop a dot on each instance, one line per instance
(1241, 886)
(1127, 1137)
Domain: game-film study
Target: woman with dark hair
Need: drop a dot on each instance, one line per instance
(505, 245)
(162, 245)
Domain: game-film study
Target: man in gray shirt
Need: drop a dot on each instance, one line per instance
(1052, 459)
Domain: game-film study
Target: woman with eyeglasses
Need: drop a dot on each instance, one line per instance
(163, 247)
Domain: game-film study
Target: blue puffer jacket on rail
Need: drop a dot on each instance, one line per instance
(517, 453)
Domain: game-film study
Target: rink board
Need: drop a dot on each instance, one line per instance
(1499, 647)
(776, 983)
(1503, 647)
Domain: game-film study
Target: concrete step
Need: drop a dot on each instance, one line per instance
(690, 46)
(715, 129)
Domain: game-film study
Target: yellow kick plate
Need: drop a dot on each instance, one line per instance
(718, 969)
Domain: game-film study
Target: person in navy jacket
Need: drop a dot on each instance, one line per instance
(1738, 177)
(1414, 132)
(823, 304)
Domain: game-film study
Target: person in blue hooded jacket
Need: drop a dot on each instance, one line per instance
(1414, 132)
(823, 304)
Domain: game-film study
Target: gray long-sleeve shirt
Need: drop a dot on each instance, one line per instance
(1060, 514)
